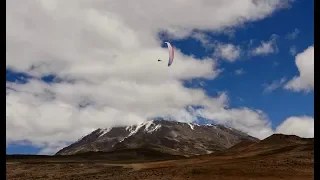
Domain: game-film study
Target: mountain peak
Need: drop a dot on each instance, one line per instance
(168, 136)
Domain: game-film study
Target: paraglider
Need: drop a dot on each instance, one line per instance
(171, 54)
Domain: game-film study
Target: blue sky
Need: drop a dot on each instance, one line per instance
(247, 89)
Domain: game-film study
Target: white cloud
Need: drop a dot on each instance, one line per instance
(228, 52)
(110, 50)
(300, 126)
(266, 47)
(52, 148)
(230, 33)
(293, 50)
(305, 65)
(293, 35)
(239, 71)
(274, 85)
(203, 38)
(255, 122)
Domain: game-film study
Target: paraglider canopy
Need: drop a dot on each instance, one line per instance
(171, 54)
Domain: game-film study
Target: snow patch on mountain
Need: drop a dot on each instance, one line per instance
(149, 127)
(155, 128)
(104, 131)
(191, 126)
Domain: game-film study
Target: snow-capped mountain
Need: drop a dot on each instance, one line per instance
(166, 136)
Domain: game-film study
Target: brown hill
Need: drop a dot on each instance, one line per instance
(273, 143)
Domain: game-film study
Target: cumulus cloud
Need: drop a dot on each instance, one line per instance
(52, 148)
(305, 64)
(266, 47)
(203, 38)
(300, 126)
(106, 54)
(228, 52)
(224, 51)
(274, 85)
(293, 35)
(254, 122)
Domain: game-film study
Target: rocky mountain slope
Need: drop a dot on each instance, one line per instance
(165, 136)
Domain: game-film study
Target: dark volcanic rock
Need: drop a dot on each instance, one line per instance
(166, 136)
